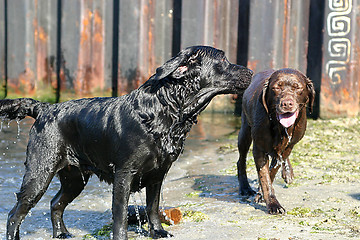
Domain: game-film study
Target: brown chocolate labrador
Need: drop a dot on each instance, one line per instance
(274, 118)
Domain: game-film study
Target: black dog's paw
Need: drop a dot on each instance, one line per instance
(274, 206)
(156, 234)
(64, 236)
(246, 192)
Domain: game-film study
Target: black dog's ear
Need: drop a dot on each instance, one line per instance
(310, 88)
(263, 95)
(177, 67)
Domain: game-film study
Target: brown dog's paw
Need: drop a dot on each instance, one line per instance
(259, 198)
(287, 174)
(288, 178)
(274, 206)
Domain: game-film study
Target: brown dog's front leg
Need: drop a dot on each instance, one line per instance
(287, 172)
(262, 165)
(274, 168)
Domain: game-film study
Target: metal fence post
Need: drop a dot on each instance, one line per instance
(3, 48)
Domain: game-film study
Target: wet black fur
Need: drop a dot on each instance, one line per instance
(130, 141)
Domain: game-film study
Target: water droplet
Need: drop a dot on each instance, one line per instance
(137, 212)
(18, 128)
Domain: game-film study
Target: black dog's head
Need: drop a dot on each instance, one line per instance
(200, 73)
(208, 64)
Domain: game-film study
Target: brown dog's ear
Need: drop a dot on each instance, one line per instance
(178, 66)
(310, 88)
(263, 95)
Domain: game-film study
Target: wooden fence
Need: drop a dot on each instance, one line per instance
(56, 50)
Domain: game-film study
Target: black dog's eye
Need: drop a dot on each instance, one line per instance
(193, 58)
(276, 89)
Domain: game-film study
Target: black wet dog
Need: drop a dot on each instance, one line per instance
(130, 141)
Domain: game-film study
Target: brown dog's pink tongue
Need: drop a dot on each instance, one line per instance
(287, 119)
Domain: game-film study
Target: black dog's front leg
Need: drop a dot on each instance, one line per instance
(121, 194)
(152, 208)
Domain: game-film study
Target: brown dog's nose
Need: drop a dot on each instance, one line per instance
(287, 104)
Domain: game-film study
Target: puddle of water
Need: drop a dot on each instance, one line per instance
(92, 209)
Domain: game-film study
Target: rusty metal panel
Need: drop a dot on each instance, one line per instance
(21, 58)
(31, 52)
(3, 52)
(70, 44)
(44, 26)
(278, 34)
(339, 96)
(145, 40)
(193, 23)
(83, 38)
(213, 23)
(155, 36)
(224, 22)
(129, 25)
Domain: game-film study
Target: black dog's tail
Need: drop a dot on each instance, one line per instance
(17, 109)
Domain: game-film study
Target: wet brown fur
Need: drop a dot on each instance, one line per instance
(270, 93)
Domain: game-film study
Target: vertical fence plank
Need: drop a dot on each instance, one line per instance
(298, 19)
(20, 75)
(2, 49)
(45, 24)
(339, 95)
(145, 36)
(213, 23)
(222, 25)
(128, 45)
(155, 36)
(31, 48)
(108, 44)
(70, 43)
(192, 23)
(278, 34)
(84, 35)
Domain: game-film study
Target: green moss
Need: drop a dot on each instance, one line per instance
(355, 213)
(299, 211)
(328, 153)
(103, 233)
(193, 194)
(227, 148)
(195, 216)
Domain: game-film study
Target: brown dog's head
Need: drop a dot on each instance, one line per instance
(286, 92)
